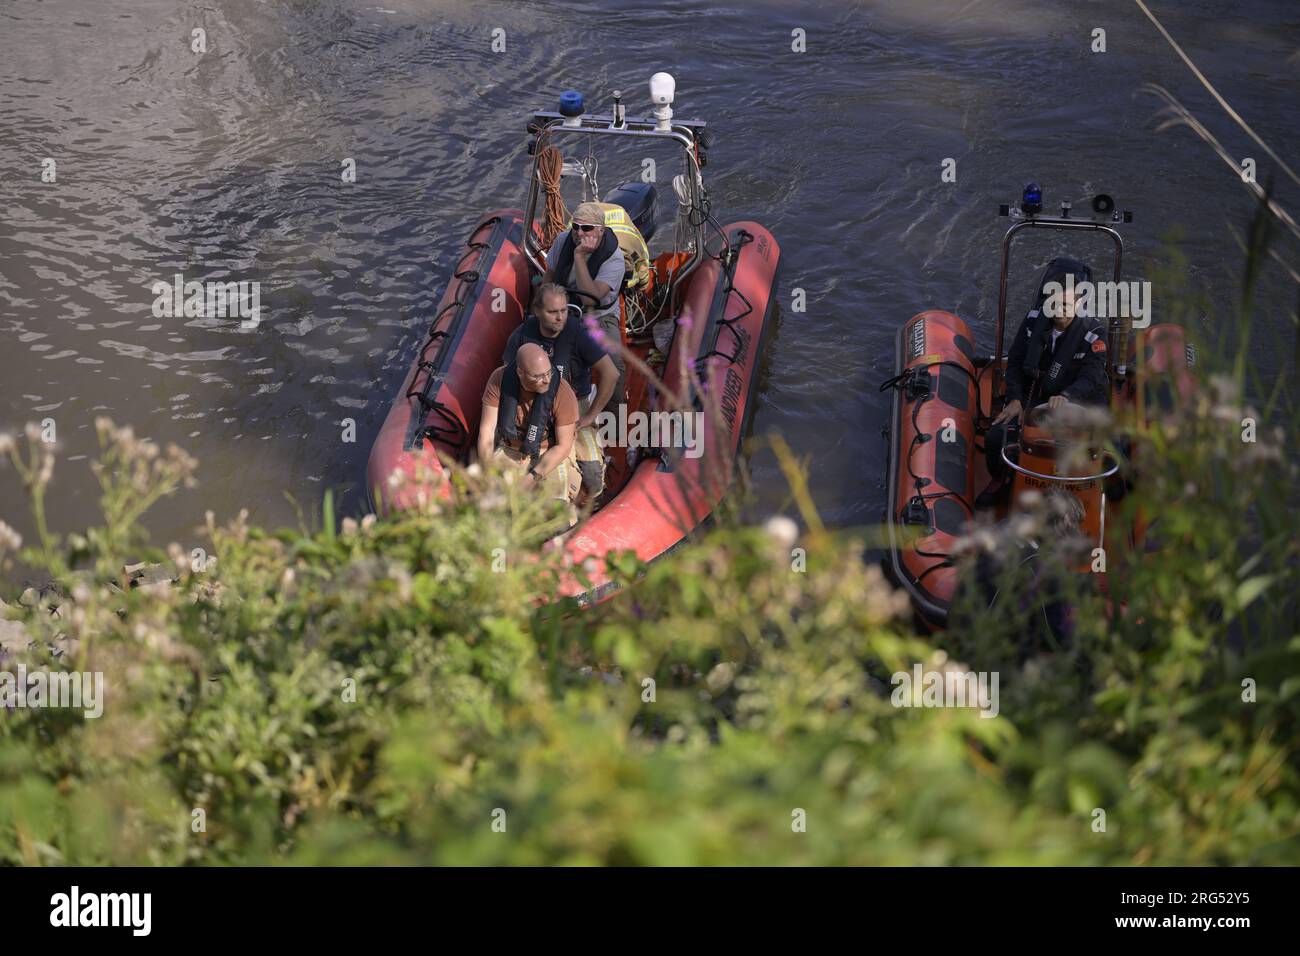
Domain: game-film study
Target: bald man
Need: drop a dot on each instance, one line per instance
(530, 419)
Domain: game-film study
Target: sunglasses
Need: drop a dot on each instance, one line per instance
(584, 226)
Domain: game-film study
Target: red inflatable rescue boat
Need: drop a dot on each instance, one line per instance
(697, 313)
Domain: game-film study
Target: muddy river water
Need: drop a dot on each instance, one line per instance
(226, 163)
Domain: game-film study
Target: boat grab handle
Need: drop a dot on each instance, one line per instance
(1060, 479)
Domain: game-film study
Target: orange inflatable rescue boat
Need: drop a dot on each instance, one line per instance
(946, 394)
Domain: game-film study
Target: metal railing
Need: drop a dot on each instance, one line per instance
(1050, 222)
(683, 132)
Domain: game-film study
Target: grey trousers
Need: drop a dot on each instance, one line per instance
(614, 338)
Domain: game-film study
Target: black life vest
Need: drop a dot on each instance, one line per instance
(559, 348)
(564, 264)
(1050, 378)
(541, 417)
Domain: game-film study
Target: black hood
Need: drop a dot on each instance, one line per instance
(1056, 271)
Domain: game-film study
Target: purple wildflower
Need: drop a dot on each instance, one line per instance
(594, 329)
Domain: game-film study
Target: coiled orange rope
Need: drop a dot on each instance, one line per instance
(549, 165)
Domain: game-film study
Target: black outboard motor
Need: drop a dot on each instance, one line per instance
(638, 200)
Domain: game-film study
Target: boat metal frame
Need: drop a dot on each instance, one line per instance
(684, 133)
(1056, 479)
(1118, 330)
(1115, 328)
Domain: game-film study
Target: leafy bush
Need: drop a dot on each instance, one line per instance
(398, 691)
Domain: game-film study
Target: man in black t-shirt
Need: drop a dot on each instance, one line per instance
(579, 359)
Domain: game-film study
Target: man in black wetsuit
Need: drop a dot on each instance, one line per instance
(1054, 359)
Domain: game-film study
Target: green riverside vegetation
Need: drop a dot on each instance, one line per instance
(394, 691)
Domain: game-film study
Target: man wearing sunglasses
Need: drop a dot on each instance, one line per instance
(587, 258)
